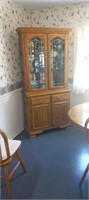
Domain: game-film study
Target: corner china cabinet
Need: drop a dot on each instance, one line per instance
(45, 82)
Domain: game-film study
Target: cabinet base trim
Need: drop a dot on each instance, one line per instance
(33, 134)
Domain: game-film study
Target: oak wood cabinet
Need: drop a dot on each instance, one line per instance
(44, 64)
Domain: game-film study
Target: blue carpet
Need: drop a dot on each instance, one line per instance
(55, 162)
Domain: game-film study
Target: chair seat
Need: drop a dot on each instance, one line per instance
(13, 146)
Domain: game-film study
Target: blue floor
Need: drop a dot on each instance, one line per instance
(55, 162)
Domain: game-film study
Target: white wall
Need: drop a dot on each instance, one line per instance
(12, 113)
(78, 98)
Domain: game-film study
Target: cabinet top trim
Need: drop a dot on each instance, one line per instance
(26, 30)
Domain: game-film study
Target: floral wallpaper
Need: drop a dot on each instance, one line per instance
(13, 15)
(64, 16)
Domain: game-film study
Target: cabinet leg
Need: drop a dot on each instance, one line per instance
(32, 136)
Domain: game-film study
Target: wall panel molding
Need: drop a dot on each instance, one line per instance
(12, 113)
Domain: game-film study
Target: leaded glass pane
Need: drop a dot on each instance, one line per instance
(36, 63)
(57, 62)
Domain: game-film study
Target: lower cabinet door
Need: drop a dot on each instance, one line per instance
(41, 116)
(64, 112)
(60, 113)
(56, 113)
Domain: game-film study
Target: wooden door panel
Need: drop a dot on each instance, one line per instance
(45, 116)
(41, 116)
(60, 112)
(36, 117)
(56, 113)
(64, 112)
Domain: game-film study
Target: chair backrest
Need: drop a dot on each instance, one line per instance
(5, 141)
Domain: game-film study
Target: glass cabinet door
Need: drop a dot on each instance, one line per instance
(56, 61)
(37, 62)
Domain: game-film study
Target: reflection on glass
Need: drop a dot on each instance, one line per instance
(36, 63)
(57, 62)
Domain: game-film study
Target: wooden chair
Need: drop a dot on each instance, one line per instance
(8, 149)
(87, 168)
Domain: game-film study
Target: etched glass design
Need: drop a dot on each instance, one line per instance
(36, 63)
(57, 62)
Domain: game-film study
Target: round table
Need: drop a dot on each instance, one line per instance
(80, 116)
